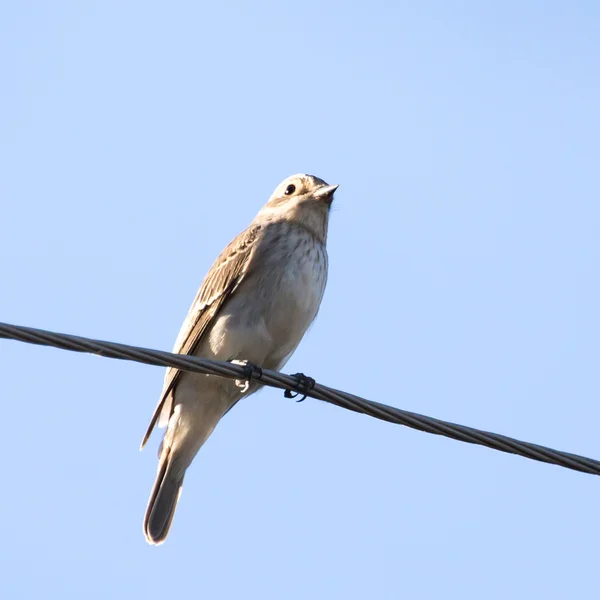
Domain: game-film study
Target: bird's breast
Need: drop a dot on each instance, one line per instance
(293, 284)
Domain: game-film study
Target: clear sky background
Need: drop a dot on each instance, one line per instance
(137, 138)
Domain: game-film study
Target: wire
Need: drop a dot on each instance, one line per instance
(298, 383)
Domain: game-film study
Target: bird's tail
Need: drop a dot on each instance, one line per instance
(163, 499)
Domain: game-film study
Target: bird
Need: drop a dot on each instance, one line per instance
(253, 307)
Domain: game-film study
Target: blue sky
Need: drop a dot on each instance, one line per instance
(137, 138)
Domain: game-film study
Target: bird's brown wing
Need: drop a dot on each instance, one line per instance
(220, 282)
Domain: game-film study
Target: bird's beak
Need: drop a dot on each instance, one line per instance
(326, 193)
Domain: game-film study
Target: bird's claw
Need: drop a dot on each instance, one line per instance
(304, 384)
(250, 370)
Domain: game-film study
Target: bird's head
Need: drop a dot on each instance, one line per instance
(302, 198)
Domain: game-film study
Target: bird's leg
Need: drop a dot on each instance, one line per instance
(303, 385)
(251, 371)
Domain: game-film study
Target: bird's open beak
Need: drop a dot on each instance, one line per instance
(326, 193)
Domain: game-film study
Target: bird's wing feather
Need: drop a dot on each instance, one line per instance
(220, 282)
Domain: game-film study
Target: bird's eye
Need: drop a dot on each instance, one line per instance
(290, 189)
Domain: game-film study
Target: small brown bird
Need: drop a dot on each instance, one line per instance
(255, 304)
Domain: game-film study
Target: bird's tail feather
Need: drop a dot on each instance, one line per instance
(163, 499)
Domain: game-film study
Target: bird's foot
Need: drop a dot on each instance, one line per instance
(250, 370)
(304, 385)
